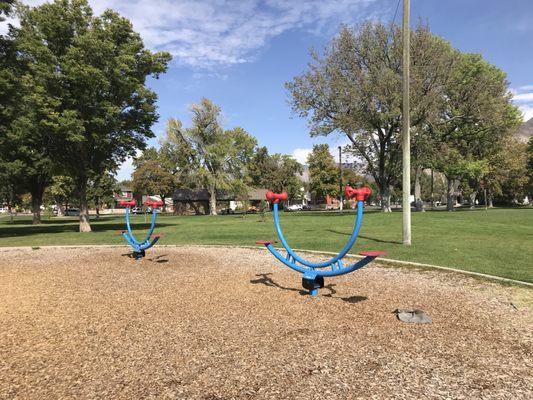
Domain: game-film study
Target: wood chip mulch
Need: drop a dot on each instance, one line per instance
(225, 323)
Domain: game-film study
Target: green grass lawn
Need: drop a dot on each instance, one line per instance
(497, 242)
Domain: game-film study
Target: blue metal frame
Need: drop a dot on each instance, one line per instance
(140, 246)
(313, 271)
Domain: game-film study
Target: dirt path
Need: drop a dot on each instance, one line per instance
(207, 323)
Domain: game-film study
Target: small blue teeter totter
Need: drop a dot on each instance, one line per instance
(139, 247)
(313, 272)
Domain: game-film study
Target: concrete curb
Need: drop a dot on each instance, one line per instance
(385, 261)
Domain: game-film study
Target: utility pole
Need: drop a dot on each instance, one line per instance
(432, 180)
(340, 179)
(406, 145)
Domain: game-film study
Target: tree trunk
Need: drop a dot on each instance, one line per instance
(490, 200)
(419, 204)
(85, 225)
(10, 204)
(450, 200)
(60, 209)
(385, 198)
(212, 200)
(485, 197)
(36, 201)
(473, 200)
(10, 212)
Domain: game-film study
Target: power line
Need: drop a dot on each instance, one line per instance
(395, 12)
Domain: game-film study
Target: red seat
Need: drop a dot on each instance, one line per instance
(265, 242)
(375, 253)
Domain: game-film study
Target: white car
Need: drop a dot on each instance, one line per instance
(295, 207)
(3, 210)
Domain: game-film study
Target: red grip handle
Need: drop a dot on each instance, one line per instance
(276, 197)
(153, 203)
(127, 203)
(360, 194)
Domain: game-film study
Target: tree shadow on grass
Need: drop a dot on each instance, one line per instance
(365, 237)
(265, 279)
(28, 230)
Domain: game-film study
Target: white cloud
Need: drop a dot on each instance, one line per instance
(210, 33)
(524, 97)
(300, 155)
(527, 112)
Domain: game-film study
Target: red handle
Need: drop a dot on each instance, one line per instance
(360, 194)
(276, 197)
(127, 203)
(153, 203)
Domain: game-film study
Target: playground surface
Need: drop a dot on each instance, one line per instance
(226, 323)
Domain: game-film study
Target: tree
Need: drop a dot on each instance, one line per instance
(323, 173)
(151, 178)
(285, 176)
(218, 159)
(61, 189)
(25, 121)
(277, 172)
(355, 88)
(476, 119)
(91, 72)
(100, 191)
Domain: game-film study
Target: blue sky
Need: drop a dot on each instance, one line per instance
(239, 54)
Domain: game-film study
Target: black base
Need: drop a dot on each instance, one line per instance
(138, 254)
(312, 284)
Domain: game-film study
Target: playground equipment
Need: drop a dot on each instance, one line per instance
(313, 272)
(139, 247)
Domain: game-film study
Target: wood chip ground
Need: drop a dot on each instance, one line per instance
(226, 323)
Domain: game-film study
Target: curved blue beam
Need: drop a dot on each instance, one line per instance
(342, 253)
(307, 271)
(128, 226)
(150, 231)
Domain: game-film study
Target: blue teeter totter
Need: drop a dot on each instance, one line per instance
(315, 272)
(138, 246)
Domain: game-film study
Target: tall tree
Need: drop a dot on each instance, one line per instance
(218, 158)
(323, 173)
(474, 122)
(92, 73)
(355, 88)
(277, 172)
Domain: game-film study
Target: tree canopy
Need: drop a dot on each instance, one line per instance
(84, 104)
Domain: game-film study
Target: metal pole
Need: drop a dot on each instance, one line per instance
(406, 182)
(340, 179)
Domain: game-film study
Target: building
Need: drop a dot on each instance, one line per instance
(196, 201)
(125, 194)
